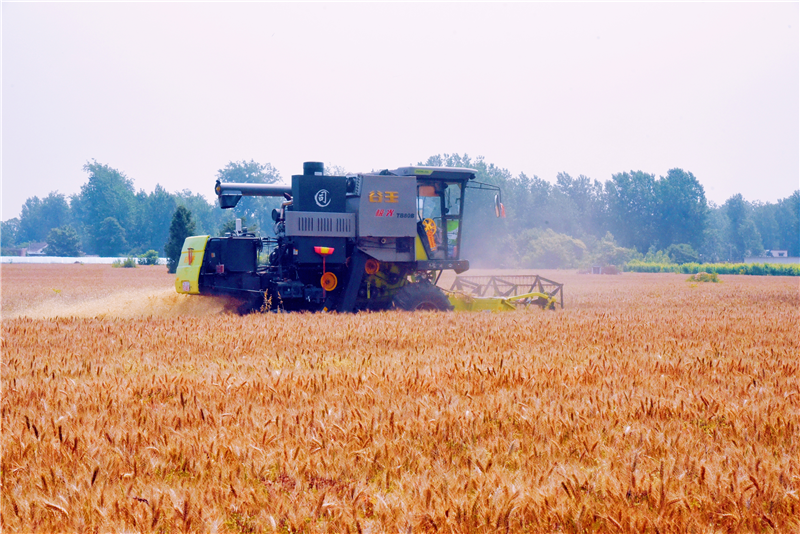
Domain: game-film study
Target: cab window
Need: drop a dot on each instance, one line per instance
(429, 203)
(452, 199)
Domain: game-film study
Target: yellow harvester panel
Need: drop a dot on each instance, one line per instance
(420, 249)
(189, 267)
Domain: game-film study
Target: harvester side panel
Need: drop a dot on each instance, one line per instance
(235, 254)
(304, 250)
(188, 271)
(313, 224)
(389, 249)
(388, 206)
(318, 193)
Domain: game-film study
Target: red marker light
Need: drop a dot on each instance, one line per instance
(328, 280)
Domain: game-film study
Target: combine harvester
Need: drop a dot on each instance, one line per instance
(371, 241)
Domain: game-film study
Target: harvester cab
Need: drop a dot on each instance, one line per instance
(369, 241)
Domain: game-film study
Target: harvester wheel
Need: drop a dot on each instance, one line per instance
(421, 296)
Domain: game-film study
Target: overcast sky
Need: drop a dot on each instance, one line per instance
(170, 93)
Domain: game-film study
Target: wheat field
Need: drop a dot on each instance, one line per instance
(648, 404)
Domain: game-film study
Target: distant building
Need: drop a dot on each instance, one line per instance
(773, 256)
(36, 249)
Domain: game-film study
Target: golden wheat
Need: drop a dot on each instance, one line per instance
(647, 405)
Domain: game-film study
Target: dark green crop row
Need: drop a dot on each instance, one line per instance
(770, 269)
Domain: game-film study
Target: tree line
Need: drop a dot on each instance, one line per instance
(577, 221)
(573, 222)
(108, 217)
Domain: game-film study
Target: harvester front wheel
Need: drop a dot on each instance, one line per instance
(421, 296)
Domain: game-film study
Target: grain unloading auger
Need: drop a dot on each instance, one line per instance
(370, 241)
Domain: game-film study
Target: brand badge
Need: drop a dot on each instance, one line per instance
(322, 198)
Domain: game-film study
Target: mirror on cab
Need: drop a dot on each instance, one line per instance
(499, 209)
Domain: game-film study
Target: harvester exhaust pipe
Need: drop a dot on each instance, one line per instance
(313, 168)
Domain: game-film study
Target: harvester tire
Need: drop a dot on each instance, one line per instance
(421, 296)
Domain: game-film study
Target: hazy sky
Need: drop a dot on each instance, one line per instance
(170, 93)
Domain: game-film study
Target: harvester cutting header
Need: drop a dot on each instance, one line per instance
(370, 241)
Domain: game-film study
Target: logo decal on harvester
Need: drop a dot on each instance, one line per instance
(384, 196)
(322, 198)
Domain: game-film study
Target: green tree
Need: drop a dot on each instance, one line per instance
(139, 233)
(528, 203)
(39, 216)
(788, 220)
(181, 227)
(608, 252)
(207, 217)
(715, 246)
(63, 242)
(77, 217)
(742, 235)
(632, 206)
(546, 249)
(681, 209)
(230, 226)
(682, 253)
(656, 256)
(586, 199)
(258, 209)
(765, 217)
(153, 215)
(249, 172)
(8, 232)
(107, 194)
(149, 258)
(161, 205)
(110, 240)
(332, 169)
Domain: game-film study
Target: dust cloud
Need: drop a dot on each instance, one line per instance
(132, 303)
